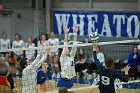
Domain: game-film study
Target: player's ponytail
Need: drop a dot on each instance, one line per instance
(109, 62)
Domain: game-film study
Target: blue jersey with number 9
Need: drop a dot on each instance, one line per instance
(107, 77)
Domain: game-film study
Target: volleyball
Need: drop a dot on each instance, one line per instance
(93, 36)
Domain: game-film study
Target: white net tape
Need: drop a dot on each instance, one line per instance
(79, 45)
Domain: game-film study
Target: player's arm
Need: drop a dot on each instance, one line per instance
(124, 77)
(65, 49)
(32, 65)
(44, 57)
(97, 62)
(74, 48)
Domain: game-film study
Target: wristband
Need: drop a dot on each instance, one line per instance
(75, 33)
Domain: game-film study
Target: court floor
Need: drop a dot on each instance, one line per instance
(52, 86)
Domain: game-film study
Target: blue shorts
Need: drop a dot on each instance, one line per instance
(4, 53)
(65, 83)
(106, 92)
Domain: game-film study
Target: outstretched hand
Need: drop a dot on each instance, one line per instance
(95, 44)
(126, 68)
(66, 29)
(75, 28)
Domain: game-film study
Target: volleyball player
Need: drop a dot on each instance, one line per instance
(67, 60)
(108, 74)
(29, 73)
(43, 74)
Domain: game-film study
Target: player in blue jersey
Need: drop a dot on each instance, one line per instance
(108, 74)
(43, 74)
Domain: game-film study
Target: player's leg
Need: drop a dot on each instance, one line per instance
(11, 81)
(51, 62)
(56, 66)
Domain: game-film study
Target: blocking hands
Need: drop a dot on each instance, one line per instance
(126, 68)
(66, 29)
(75, 28)
(95, 45)
(43, 51)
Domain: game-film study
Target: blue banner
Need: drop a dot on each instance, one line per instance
(110, 24)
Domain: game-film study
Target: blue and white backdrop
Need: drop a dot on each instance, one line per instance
(109, 24)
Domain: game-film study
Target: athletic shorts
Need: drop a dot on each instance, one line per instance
(65, 83)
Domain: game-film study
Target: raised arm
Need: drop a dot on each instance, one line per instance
(97, 62)
(74, 48)
(65, 49)
(37, 62)
(124, 77)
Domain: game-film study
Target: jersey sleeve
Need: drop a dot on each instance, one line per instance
(74, 49)
(65, 49)
(122, 77)
(97, 62)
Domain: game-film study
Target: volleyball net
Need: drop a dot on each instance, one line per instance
(85, 78)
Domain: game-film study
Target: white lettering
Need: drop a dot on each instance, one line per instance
(106, 31)
(129, 26)
(92, 19)
(119, 20)
(62, 20)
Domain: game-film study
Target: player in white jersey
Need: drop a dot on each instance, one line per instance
(18, 43)
(67, 61)
(29, 73)
(53, 55)
(4, 43)
(30, 54)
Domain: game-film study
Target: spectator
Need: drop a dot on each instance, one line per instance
(133, 61)
(81, 63)
(4, 43)
(30, 54)
(18, 43)
(53, 55)
(5, 71)
(42, 41)
(100, 55)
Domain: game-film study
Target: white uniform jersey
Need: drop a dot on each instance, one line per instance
(67, 62)
(18, 44)
(4, 44)
(53, 42)
(30, 53)
(29, 75)
(44, 44)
